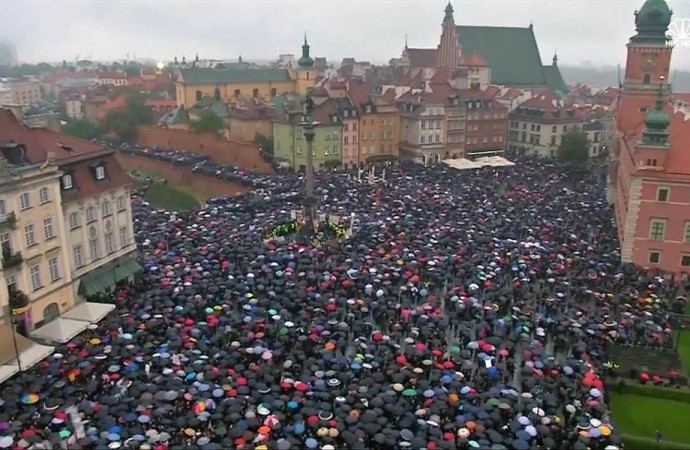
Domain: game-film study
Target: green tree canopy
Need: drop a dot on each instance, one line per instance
(120, 122)
(574, 148)
(82, 128)
(208, 122)
(264, 142)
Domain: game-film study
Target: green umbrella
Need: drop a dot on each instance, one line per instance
(409, 392)
(64, 433)
(493, 402)
(454, 349)
(283, 331)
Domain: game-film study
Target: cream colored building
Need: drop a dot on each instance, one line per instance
(71, 234)
(536, 127)
(24, 92)
(32, 236)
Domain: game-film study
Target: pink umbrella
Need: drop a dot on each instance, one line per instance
(271, 421)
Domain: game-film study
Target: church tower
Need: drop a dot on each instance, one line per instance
(448, 54)
(305, 70)
(649, 52)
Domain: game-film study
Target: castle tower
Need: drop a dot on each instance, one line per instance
(649, 54)
(448, 48)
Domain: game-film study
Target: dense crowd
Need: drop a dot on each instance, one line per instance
(465, 310)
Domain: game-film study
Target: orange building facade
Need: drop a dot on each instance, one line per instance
(649, 174)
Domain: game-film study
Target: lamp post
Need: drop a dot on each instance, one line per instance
(15, 322)
(308, 126)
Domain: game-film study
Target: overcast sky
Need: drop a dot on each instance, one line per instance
(583, 31)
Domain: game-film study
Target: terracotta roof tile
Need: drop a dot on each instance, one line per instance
(551, 106)
(475, 59)
(85, 183)
(114, 75)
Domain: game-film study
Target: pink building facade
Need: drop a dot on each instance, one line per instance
(649, 177)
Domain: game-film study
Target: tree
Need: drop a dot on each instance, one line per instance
(120, 122)
(82, 128)
(574, 148)
(208, 122)
(264, 142)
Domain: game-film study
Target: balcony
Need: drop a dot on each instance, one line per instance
(11, 259)
(8, 221)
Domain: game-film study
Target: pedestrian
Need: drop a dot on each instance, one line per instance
(659, 436)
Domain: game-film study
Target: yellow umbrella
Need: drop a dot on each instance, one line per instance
(605, 430)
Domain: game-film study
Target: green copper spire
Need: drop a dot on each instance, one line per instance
(657, 122)
(449, 11)
(305, 61)
(651, 22)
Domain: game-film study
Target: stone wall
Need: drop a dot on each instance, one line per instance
(242, 155)
(201, 186)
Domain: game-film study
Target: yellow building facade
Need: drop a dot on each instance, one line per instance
(379, 126)
(33, 237)
(233, 84)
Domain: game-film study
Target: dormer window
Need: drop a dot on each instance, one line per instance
(66, 181)
(335, 119)
(100, 172)
(368, 108)
(345, 113)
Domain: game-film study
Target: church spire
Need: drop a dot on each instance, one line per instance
(448, 53)
(554, 61)
(449, 11)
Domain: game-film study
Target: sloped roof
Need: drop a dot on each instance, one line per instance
(554, 79)
(421, 57)
(41, 141)
(549, 105)
(211, 76)
(176, 115)
(473, 59)
(511, 52)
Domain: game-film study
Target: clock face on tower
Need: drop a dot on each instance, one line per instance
(648, 60)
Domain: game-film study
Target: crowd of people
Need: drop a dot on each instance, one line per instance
(464, 310)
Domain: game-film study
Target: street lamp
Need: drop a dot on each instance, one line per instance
(15, 322)
(308, 126)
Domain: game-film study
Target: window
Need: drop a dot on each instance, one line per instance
(30, 235)
(109, 243)
(684, 261)
(25, 201)
(389, 134)
(120, 203)
(654, 256)
(90, 214)
(77, 257)
(657, 229)
(274, 92)
(346, 139)
(74, 220)
(646, 78)
(686, 236)
(643, 109)
(364, 136)
(424, 122)
(371, 135)
(368, 108)
(553, 140)
(106, 210)
(237, 92)
(328, 136)
(11, 282)
(43, 195)
(565, 128)
(383, 135)
(662, 194)
(66, 181)
(100, 173)
(422, 139)
(48, 228)
(35, 272)
(6, 243)
(93, 249)
(255, 93)
(53, 269)
(198, 95)
(437, 138)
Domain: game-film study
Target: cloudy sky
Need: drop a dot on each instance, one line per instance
(583, 31)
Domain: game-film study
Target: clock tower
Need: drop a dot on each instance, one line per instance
(649, 51)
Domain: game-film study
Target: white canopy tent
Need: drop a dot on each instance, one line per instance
(461, 164)
(89, 312)
(494, 161)
(29, 351)
(60, 330)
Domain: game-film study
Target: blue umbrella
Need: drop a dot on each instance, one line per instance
(292, 404)
(299, 428)
(311, 443)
